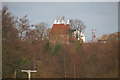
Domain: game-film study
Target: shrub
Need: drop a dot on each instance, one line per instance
(47, 46)
(56, 49)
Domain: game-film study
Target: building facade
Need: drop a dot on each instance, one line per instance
(60, 33)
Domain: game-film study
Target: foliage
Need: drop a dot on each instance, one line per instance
(10, 41)
(78, 47)
(56, 49)
(47, 46)
(24, 62)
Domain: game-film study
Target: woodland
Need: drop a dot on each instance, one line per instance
(24, 47)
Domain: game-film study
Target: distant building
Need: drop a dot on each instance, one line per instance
(60, 33)
(106, 38)
(79, 35)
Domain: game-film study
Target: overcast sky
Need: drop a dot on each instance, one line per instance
(102, 16)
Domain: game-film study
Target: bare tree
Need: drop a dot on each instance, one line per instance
(41, 30)
(77, 25)
(23, 27)
(8, 25)
(38, 32)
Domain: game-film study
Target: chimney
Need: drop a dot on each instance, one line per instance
(62, 20)
(55, 22)
(58, 22)
(68, 22)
